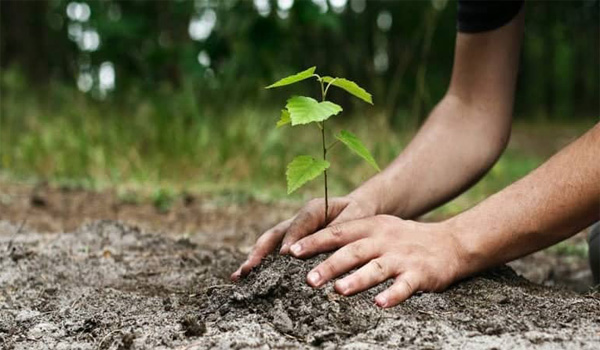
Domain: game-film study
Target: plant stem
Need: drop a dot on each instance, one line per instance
(324, 93)
(325, 172)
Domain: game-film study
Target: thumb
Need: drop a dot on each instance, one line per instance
(310, 219)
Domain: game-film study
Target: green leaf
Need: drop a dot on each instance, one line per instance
(284, 119)
(303, 169)
(304, 110)
(293, 78)
(356, 145)
(350, 87)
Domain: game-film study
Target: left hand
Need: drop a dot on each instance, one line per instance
(419, 256)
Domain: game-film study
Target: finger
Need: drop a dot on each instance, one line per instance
(264, 245)
(376, 271)
(404, 286)
(342, 261)
(310, 219)
(331, 237)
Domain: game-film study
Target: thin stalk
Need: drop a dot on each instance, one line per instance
(327, 88)
(325, 172)
(324, 93)
(331, 145)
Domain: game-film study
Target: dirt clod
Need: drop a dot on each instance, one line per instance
(126, 342)
(277, 291)
(192, 326)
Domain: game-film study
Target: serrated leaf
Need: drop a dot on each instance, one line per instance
(284, 119)
(351, 87)
(304, 110)
(293, 78)
(303, 169)
(356, 146)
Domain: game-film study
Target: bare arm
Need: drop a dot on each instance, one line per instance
(463, 136)
(555, 201)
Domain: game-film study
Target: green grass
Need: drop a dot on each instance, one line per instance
(165, 144)
(164, 141)
(568, 248)
(511, 166)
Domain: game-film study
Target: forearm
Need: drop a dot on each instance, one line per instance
(555, 201)
(465, 133)
(454, 148)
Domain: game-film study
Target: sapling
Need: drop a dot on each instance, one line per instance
(301, 110)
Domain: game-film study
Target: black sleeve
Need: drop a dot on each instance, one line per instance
(476, 16)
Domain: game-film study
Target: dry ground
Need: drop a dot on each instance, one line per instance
(158, 279)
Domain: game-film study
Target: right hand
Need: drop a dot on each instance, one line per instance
(309, 219)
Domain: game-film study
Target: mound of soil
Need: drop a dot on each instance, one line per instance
(277, 292)
(108, 285)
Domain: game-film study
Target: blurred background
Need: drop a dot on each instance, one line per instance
(168, 96)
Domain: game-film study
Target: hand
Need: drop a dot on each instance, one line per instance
(419, 256)
(308, 220)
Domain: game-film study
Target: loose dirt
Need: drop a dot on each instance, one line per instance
(109, 285)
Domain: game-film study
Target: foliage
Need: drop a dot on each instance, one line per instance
(352, 141)
(301, 110)
(294, 78)
(303, 169)
(305, 110)
(163, 200)
(350, 87)
(407, 63)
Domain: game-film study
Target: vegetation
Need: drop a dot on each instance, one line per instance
(302, 110)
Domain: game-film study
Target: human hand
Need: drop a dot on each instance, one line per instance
(419, 256)
(308, 220)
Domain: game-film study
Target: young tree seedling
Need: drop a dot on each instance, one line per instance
(302, 110)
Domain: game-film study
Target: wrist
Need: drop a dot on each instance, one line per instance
(365, 200)
(467, 249)
(369, 197)
(379, 196)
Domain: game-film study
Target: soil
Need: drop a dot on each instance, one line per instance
(228, 220)
(111, 285)
(157, 277)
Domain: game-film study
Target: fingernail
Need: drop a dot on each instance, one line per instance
(343, 286)
(296, 249)
(381, 300)
(314, 277)
(284, 248)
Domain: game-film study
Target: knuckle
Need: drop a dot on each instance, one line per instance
(356, 251)
(379, 268)
(262, 240)
(386, 219)
(328, 268)
(296, 228)
(306, 215)
(335, 231)
(254, 254)
(307, 242)
(407, 287)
